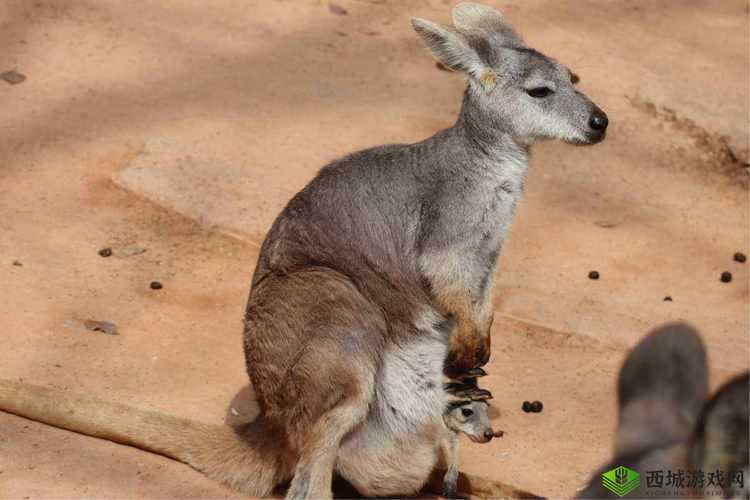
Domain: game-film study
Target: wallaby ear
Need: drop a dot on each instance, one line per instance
(720, 439)
(661, 389)
(452, 49)
(474, 17)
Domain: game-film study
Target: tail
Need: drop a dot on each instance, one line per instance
(247, 459)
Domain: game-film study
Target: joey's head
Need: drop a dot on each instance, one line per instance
(470, 418)
(513, 89)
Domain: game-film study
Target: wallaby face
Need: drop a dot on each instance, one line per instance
(536, 97)
(666, 424)
(471, 418)
(522, 92)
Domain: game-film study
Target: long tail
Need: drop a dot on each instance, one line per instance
(246, 459)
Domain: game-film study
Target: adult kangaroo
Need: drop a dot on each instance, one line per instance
(373, 280)
(379, 273)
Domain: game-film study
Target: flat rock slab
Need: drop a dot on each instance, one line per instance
(240, 200)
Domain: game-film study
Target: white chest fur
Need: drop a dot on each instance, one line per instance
(397, 448)
(502, 187)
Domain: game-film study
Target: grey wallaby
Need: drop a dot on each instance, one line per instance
(375, 280)
(667, 424)
(379, 273)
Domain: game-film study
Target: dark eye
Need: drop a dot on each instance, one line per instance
(466, 412)
(539, 92)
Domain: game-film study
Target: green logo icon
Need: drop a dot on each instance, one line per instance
(621, 480)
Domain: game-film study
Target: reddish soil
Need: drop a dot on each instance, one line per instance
(181, 128)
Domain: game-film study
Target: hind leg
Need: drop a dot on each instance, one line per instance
(314, 473)
(313, 343)
(336, 388)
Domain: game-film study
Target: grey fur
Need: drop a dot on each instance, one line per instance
(666, 424)
(472, 419)
(379, 272)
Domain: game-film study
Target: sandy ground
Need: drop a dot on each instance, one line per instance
(173, 132)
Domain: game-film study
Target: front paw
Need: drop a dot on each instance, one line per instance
(468, 351)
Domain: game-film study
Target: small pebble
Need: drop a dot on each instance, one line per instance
(130, 251)
(105, 252)
(526, 406)
(337, 9)
(594, 275)
(667, 299)
(101, 326)
(536, 407)
(13, 77)
(726, 277)
(156, 285)
(740, 257)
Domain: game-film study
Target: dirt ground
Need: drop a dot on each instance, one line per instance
(172, 132)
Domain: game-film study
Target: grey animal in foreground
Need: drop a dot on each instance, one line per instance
(379, 273)
(667, 423)
(469, 418)
(374, 278)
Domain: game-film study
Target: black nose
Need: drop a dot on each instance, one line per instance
(488, 435)
(598, 120)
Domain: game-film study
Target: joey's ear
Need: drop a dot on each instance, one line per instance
(720, 440)
(661, 389)
(473, 17)
(452, 48)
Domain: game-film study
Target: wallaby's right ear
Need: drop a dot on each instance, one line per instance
(452, 49)
(661, 389)
(720, 440)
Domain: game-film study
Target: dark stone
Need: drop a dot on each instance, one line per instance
(337, 9)
(13, 77)
(101, 326)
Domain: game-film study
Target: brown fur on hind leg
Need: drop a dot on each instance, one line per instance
(314, 473)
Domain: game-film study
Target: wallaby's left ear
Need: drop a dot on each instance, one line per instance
(661, 389)
(720, 440)
(471, 17)
(452, 48)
